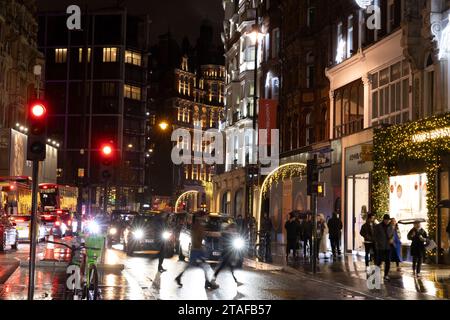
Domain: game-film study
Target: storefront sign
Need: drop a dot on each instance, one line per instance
(358, 159)
(431, 135)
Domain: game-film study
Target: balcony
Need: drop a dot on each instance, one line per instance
(349, 128)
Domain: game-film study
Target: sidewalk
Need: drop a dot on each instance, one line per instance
(7, 268)
(349, 271)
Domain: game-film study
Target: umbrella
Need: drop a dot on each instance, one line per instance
(411, 221)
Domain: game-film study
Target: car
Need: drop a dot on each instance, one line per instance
(146, 232)
(215, 224)
(9, 236)
(23, 227)
(56, 224)
(118, 223)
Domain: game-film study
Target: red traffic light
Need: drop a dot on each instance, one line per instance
(107, 150)
(38, 110)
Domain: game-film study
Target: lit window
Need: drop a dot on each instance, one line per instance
(109, 54)
(133, 57)
(60, 55)
(80, 55)
(132, 92)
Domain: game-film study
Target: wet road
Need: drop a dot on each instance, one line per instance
(139, 280)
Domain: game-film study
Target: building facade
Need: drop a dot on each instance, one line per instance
(97, 86)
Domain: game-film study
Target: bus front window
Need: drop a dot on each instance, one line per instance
(48, 200)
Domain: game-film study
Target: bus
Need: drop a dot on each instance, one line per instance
(57, 197)
(16, 195)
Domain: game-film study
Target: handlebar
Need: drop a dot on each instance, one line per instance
(73, 248)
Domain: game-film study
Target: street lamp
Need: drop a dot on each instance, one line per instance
(163, 125)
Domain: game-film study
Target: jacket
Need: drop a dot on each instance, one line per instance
(384, 236)
(292, 230)
(367, 232)
(418, 238)
(335, 227)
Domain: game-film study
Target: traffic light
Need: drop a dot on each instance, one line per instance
(312, 175)
(37, 123)
(107, 159)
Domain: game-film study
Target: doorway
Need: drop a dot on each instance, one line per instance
(357, 204)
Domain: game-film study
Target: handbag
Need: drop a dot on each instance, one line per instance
(430, 245)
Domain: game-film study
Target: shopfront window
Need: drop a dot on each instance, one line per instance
(407, 200)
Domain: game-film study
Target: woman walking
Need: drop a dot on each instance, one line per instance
(396, 246)
(323, 241)
(418, 236)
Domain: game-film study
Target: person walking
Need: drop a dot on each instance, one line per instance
(228, 254)
(197, 256)
(240, 224)
(418, 237)
(162, 227)
(292, 229)
(384, 238)
(335, 229)
(320, 233)
(367, 232)
(396, 247)
(267, 228)
(307, 235)
(323, 246)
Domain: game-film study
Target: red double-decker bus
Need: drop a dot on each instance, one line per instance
(57, 197)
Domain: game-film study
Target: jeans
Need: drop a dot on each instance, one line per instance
(384, 255)
(370, 252)
(335, 245)
(417, 263)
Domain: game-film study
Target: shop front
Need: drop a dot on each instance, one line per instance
(411, 175)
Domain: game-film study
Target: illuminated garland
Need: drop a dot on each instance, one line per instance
(401, 142)
(284, 172)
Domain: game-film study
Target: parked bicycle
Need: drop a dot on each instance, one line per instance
(260, 249)
(82, 276)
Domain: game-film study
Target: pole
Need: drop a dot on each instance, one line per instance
(314, 243)
(33, 238)
(105, 197)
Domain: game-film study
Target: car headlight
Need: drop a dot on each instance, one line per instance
(138, 234)
(94, 227)
(166, 235)
(238, 243)
(112, 231)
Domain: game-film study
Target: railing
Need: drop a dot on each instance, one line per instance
(349, 128)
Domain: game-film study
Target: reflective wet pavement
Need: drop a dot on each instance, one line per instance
(341, 280)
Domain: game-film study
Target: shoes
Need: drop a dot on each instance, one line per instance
(211, 285)
(161, 270)
(178, 280)
(386, 278)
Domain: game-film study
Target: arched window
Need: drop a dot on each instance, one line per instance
(310, 70)
(309, 129)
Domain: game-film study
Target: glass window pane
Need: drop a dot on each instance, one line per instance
(392, 100)
(396, 71)
(405, 92)
(405, 117)
(386, 102)
(381, 102)
(375, 80)
(398, 96)
(375, 105)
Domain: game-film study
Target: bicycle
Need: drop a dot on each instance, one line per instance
(82, 280)
(260, 249)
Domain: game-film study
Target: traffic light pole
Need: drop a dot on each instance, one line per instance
(33, 237)
(105, 197)
(314, 243)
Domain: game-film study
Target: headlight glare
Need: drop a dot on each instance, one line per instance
(238, 243)
(166, 235)
(138, 234)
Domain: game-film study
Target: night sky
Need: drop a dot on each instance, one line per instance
(183, 17)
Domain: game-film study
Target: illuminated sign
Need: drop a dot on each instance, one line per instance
(431, 135)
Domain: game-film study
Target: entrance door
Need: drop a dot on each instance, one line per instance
(357, 205)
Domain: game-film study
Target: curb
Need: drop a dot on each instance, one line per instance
(11, 267)
(46, 264)
(261, 265)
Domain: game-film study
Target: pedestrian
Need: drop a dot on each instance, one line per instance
(367, 232)
(307, 235)
(418, 237)
(321, 232)
(300, 231)
(396, 247)
(335, 229)
(292, 230)
(197, 256)
(384, 238)
(240, 224)
(229, 255)
(267, 228)
(162, 228)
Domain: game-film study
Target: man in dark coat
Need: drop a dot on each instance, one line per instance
(334, 229)
(384, 238)
(367, 232)
(266, 228)
(292, 231)
(418, 236)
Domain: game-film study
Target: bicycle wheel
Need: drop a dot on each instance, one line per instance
(260, 251)
(92, 288)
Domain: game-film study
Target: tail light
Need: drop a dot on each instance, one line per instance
(57, 223)
(59, 211)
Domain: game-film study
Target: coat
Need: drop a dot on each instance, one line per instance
(367, 232)
(335, 227)
(384, 236)
(418, 238)
(323, 241)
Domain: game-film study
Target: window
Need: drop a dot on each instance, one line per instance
(350, 36)
(349, 109)
(340, 45)
(275, 42)
(108, 89)
(132, 92)
(133, 57)
(61, 55)
(80, 55)
(310, 70)
(311, 14)
(267, 47)
(309, 130)
(390, 94)
(109, 54)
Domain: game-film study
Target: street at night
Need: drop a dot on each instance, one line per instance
(225, 156)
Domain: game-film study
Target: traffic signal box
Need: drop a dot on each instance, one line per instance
(314, 187)
(37, 132)
(107, 155)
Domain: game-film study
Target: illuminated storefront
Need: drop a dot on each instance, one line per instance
(411, 174)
